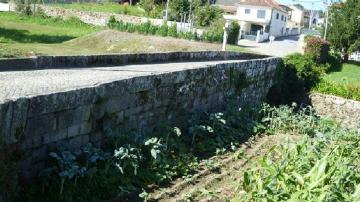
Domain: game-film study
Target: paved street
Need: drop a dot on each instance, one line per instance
(280, 47)
(15, 84)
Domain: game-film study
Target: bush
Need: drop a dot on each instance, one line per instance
(23, 7)
(173, 30)
(213, 35)
(207, 14)
(296, 75)
(163, 30)
(148, 6)
(233, 32)
(318, 48)
(342, 90)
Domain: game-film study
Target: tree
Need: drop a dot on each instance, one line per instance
(344, 27)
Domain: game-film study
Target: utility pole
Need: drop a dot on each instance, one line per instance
(167, 10)
(327, 17)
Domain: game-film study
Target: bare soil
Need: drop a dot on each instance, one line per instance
(222, 181)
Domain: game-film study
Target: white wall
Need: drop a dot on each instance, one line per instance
(278, 26)
(4, 7)
(253, 13)
(297, 15)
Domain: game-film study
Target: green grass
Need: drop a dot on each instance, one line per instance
(106, 7)
(16, 28)
(349, 75)
(24, 36)
(344, 83)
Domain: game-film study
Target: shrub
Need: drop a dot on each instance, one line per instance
(207, 14)
(343, 90)
(318, 48)
(163, 29)
(307, 70)
(173, 30)
(234, 29)
(147, 5)
(296, 75)
(23, 7)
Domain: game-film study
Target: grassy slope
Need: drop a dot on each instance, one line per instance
(106, 7)
(349, 74)
(345, 83)
(27, 36)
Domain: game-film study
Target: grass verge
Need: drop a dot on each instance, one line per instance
(104, 7)
(345, 83)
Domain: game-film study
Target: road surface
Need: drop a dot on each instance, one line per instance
(16, 84)
(280, 47)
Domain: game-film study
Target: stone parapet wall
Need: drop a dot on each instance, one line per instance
(96, 18)
(43, 62)
(346, 111)
(135, 106)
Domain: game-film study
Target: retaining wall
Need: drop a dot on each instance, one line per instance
(135, 107)
(346, 111)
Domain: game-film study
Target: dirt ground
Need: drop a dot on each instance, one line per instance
(222, 180)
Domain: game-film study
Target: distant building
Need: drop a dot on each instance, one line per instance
(228, 6)
(296, 16)
(259, 19)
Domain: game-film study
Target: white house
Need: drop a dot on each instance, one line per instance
(296, 16)
(4, 7)
(259, 19)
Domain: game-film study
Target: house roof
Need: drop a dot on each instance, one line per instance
(268, 3)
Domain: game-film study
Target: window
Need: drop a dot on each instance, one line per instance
(247, 11)
(260, 14)
(285, 19)
(282, 17)
(277, 16)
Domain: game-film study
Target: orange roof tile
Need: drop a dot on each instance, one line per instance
(268, 3)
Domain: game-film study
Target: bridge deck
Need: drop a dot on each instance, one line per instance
(16, 84)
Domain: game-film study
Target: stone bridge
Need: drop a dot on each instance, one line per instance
(48, 102)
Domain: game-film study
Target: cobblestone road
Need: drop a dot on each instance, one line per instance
(15, 84)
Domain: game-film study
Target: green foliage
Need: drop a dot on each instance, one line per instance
(318, 48)
(322, 166)
(24, 7)
(296, 75)
(207, 14)
(307, 70)
(173, 30)
(349, 91)
(129, 166)
(147, 5)
(163, 30)
(45, 29)
(234, 29)
(107, 7)
(177, 7)
(344, 27)
(213, 35)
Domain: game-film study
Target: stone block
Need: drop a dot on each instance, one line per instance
(55, 136)
(72, 117)
(79, 129)
(40, 125)
(61, 101)
(6, 111)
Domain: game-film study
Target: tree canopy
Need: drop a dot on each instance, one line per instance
(344, 27)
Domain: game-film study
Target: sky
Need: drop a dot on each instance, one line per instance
(318, 4)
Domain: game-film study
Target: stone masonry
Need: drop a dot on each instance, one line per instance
(346, 111)
(42, 110)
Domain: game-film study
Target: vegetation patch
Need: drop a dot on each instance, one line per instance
(104, 7)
